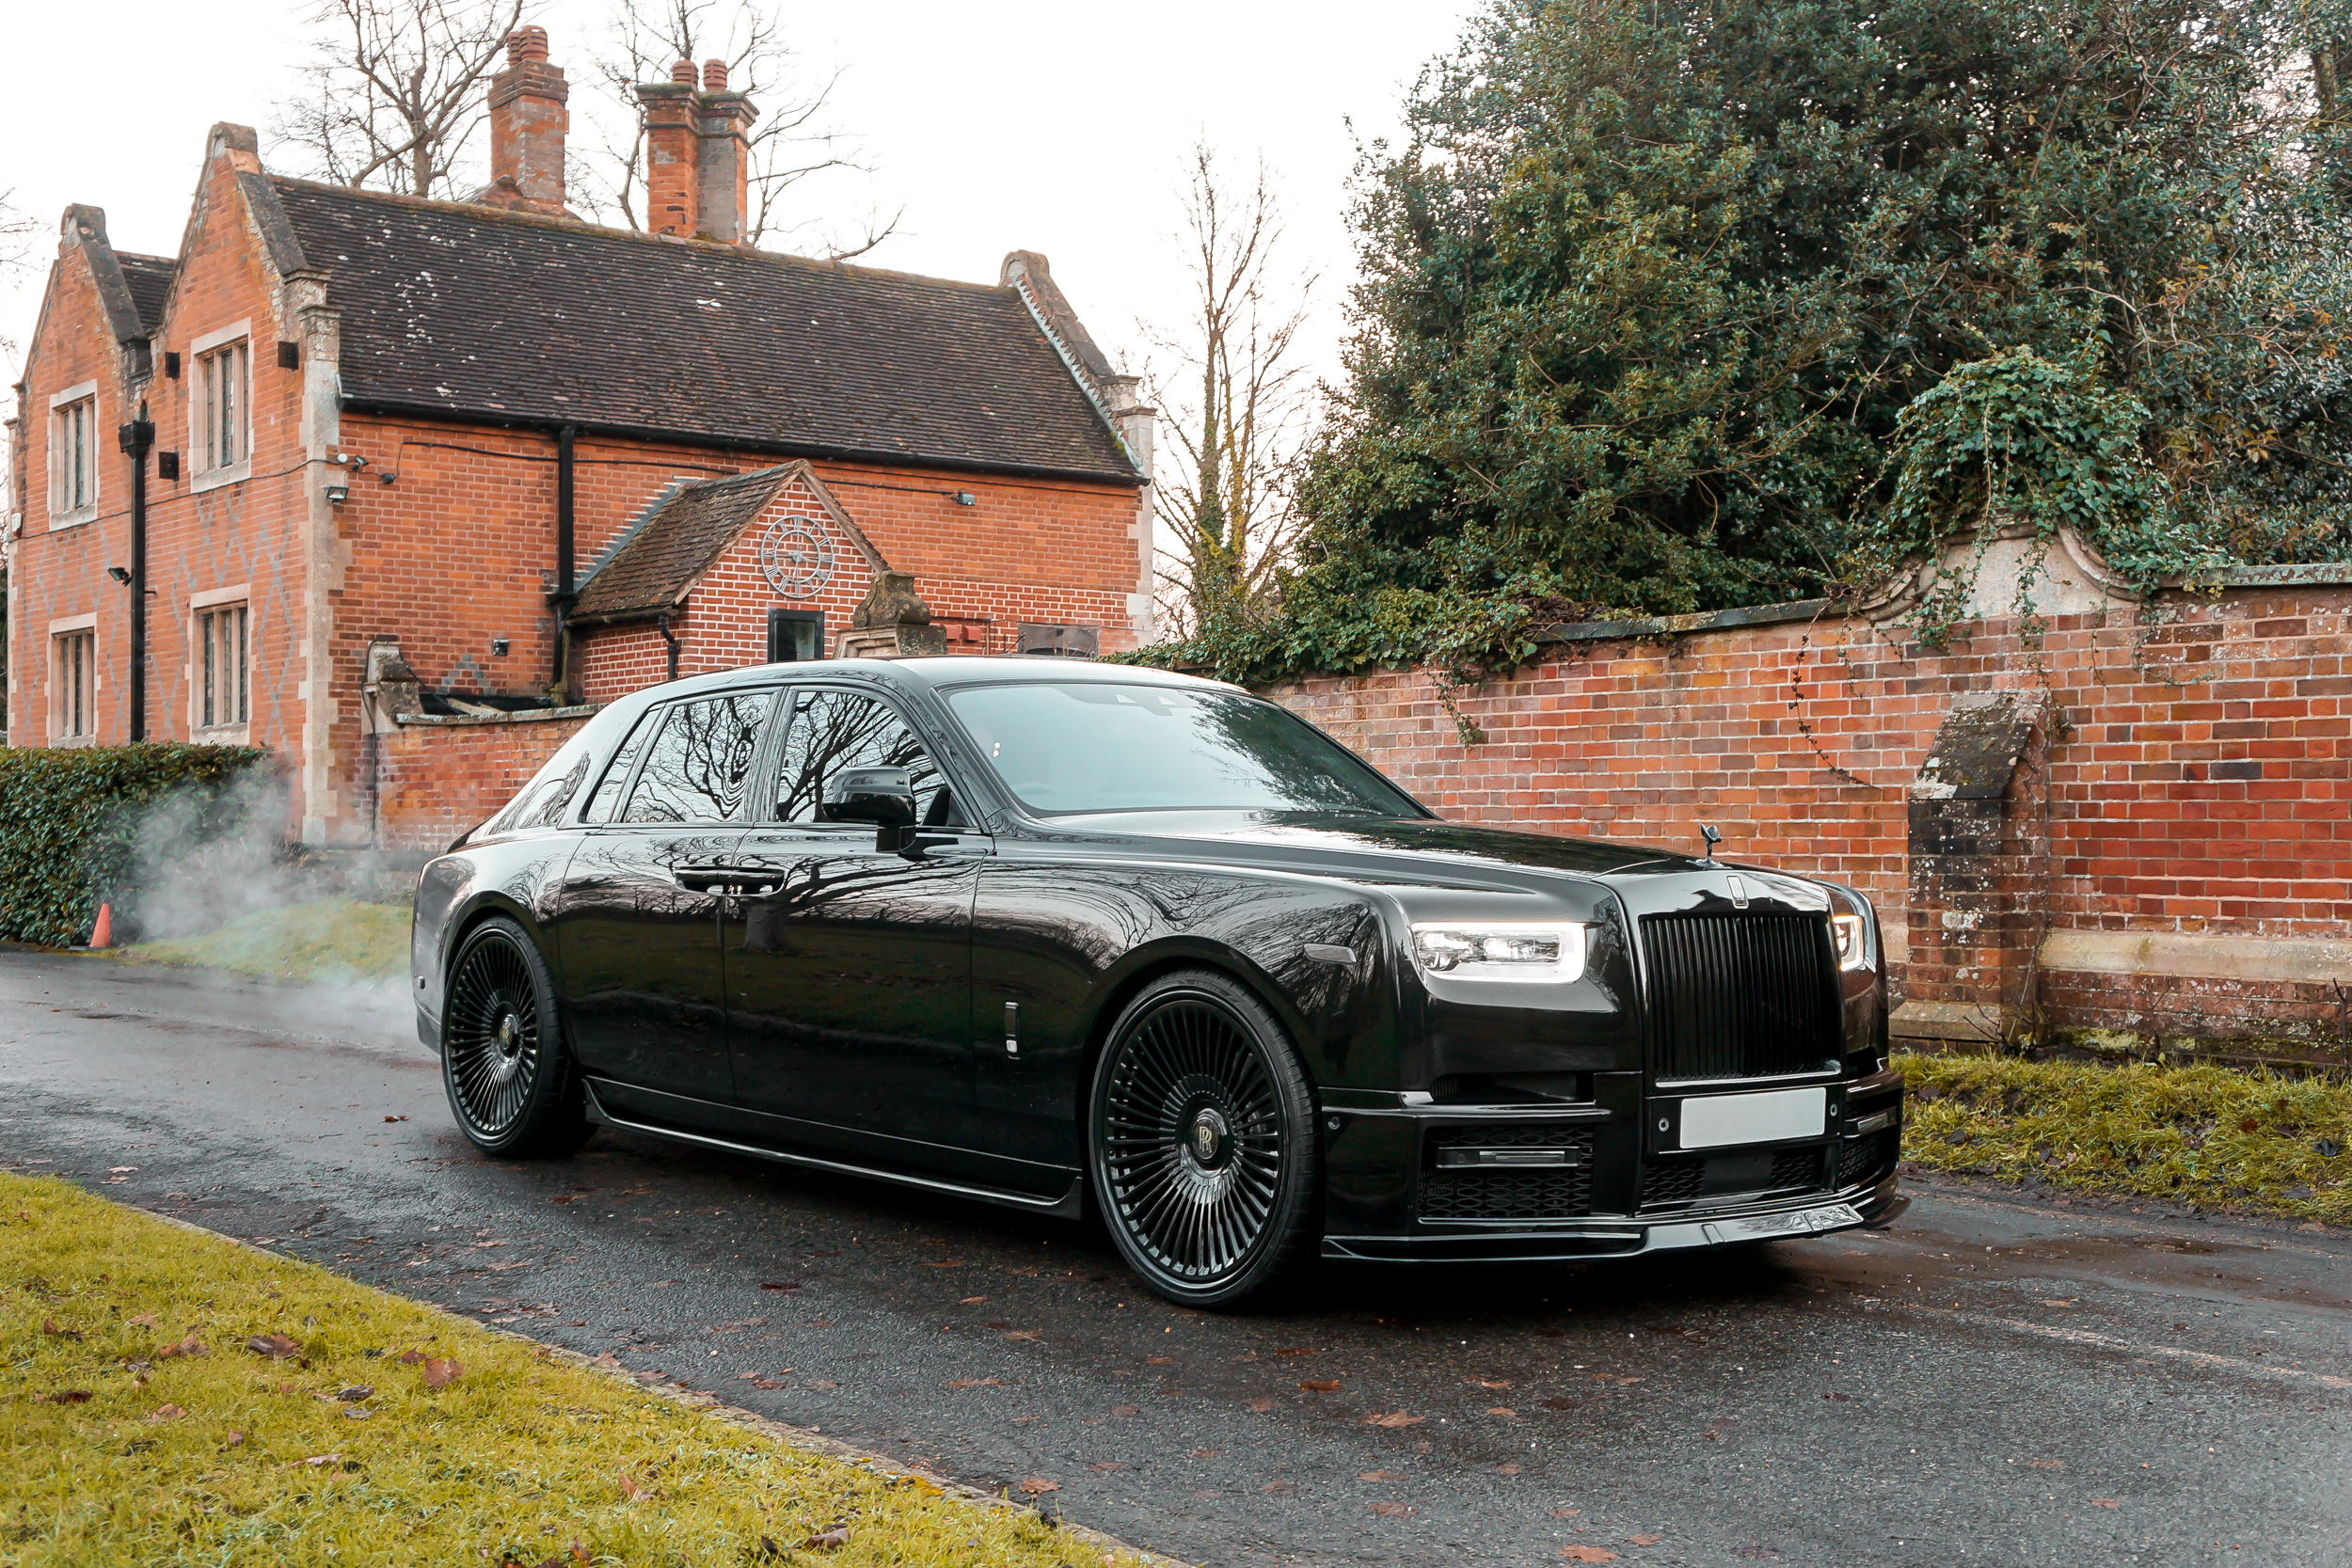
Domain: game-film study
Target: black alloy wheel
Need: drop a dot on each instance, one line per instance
(510, 1081)
(1203, 1142)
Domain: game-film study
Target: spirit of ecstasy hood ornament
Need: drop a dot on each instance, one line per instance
(1707, 832)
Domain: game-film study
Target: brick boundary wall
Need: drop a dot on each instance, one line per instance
(436, 777)
(2151, 844)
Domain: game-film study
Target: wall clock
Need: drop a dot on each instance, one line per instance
(796, 556)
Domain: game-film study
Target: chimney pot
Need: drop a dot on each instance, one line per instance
(525, 45)
(683, 73)
(714, 76)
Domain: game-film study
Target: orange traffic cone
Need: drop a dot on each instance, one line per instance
(102, 934)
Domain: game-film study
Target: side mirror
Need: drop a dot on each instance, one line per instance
(882, 796)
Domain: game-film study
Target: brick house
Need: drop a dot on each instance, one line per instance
(527, 462)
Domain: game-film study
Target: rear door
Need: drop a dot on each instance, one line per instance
(849, 980)
(639, 903)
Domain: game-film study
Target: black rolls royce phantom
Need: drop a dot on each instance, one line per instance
(1077, 937)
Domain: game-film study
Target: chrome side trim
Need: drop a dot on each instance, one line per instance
(1069, 1205)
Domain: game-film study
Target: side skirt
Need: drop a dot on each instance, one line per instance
(1071, 1205)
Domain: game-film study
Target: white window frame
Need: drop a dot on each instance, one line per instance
(212, 602)
(59, 698)
(63, 511)
(201, 354)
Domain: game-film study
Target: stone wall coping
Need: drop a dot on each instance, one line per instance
(2314, 574)
(526, 716)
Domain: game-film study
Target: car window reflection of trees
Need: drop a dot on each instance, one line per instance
(700, 760)
(835, 730)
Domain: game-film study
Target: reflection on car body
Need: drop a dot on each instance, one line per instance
(1064, 935)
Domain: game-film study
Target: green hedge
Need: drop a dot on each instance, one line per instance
(70, 821)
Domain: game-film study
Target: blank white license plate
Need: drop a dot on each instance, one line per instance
(1717, 1120)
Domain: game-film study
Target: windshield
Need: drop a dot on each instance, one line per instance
(1093, 747)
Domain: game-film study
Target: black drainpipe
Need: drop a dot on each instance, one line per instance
(136, 439)
(662, 621)
(567, 565)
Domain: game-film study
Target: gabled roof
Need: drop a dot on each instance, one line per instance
(467, 310)
(657, 560)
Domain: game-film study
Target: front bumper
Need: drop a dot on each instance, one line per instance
(1813, 1214)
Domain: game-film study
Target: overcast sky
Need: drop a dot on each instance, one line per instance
(1049, 126)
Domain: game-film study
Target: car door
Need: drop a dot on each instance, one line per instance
(639, 906)
(849, 980)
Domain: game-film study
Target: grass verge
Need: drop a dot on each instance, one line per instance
(328, 938)
(2209, 1137)
(141, 1424)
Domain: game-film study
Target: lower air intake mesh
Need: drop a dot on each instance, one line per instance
(1536, 1192)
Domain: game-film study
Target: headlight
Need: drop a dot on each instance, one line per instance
(1850, 927)
(1551, 951)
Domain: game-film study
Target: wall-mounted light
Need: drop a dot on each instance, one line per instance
(120, 573)
(338, 494)
(499, 647)
(965, 497)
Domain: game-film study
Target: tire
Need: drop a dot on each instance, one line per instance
(511, 1083)
(1201, 1143)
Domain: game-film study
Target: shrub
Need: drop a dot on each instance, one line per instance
(72, 820)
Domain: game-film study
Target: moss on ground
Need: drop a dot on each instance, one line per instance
(343, 1449)
(328, 938)
(2208, 1137)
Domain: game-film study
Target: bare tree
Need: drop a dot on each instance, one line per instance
(1240, 403)
(789, 142)
(396, 90)
(16, 258)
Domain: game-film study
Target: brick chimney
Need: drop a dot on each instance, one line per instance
(672, 189)
(527, 124)
(697, 154)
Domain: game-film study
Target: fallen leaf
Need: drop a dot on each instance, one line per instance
(51, 1328)
(276, 1346)
(1379, 1475)
(630, 1490)
(1303, 1350)
(745, 1377)
(948, 1263)
(357, 1392)
(2047, 1463)
(1588, 1553)
(766, 1383)
(779, 1284)
(973, 1301)
(145, 1319)
(2105, 1502)
(395, 1118)
(1501, 1410)
(1204, 1453)
(2066, 1302)
(68, 1395)
(410, 1358)
(1566, 1513)
(608, 1359)
(1394, 1419)
(120, 1170)
(828, 1541)
(1563, 1403)
(319, 1460)
(190, 1345)
(824, 1386)
(767, 1547)
(1037, 1486)
(1107, 1464)
(1488, 1382)
(439, 1374)
(1510, 1467)
(1645, 1540)
(233, 1440)
(1260, 1405)
(1022, 1334)
(1153, 1360)
(1392, 1510)
(1127, 1410)
(1329, 1386)
(976, 1382)
(1280, 1486)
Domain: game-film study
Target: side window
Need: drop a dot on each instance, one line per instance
(834, 730)
(697, 763)
(606, 802)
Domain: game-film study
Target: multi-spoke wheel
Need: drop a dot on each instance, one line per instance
(502, 1060)
(1203, 1141)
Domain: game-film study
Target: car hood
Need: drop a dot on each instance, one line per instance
(1416, 849)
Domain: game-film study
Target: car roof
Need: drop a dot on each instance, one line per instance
(944, 671)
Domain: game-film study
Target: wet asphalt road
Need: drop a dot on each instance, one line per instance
(1998, 1380)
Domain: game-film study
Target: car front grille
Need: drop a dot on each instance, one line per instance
(1741, 995)
(1534, 1192)
(1675, 1182)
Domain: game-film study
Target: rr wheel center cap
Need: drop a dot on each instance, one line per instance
(1209, 1139)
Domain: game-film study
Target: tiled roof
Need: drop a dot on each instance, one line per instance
(660, 559)
(471, 310)
(149, 279)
